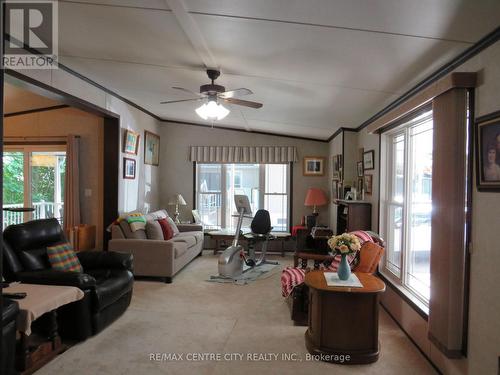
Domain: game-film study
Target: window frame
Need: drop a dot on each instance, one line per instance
(261, 189)
(402, 128)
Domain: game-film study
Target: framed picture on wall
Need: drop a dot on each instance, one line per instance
(360, 169)
(488, 152)
(367, 186)
(314, 166)
(128, 168)
(131, 142)
(368, 160)
(151, 148)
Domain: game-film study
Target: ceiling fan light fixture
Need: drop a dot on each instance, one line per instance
(212, 111)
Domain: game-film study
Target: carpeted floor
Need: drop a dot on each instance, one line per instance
(194, 316)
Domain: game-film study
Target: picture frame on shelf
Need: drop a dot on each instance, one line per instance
(336, 176)
(368, 160)
(488, 153)
(129, 168)
(131, 142)
(360, 185)
(313, 166)
(368, 181)
(335, 190)
(151, 148)
(359, 165)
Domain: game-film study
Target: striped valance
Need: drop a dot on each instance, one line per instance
(243, 154)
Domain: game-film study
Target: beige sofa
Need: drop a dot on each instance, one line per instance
(158, 258)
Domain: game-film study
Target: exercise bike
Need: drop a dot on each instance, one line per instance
(233, 261)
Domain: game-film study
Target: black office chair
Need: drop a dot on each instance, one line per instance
(261, 232)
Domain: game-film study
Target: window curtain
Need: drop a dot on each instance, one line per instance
(243, 154)
(448, 247)
(72, 183)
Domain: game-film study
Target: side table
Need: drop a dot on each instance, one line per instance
(40, 300)
(343, 321)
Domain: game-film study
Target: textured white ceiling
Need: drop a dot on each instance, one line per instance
(316, 65)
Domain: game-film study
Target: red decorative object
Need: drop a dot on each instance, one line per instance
(296, 228)
(315, 197)
(168, 233)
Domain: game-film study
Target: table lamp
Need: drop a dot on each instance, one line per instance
(314, 197)
(177, 200)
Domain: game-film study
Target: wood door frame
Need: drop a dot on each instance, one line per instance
(111, 141)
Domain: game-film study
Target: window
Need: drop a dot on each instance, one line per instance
(33, 177)
(408, 205)
(266, 185)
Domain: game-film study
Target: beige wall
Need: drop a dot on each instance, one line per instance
(90, 129)
(143, 192)
(177, 171)
(484, 304)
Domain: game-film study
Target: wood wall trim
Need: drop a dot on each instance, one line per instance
(451, 81)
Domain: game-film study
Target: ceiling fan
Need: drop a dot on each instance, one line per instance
(212, 95)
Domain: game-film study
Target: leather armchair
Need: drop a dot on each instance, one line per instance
(106, 280)
(9, 316)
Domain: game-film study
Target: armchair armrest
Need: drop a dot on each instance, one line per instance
(190, 227)
(105, 260)
(54, 277)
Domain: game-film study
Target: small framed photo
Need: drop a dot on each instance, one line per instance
(131, 142)
(314, 166)
(151, 148)
(367, 186)
(129, 168)
(336, 176)
(488, 152)
(335, 190)
(360, 169)
(368, 160)
(360, 184)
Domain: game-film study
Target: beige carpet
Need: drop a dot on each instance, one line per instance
(194, 316)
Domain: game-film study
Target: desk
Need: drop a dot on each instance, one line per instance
(40, 300)
(343, 321)
(226, 237)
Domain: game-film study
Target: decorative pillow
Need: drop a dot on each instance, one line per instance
(166, 228)
(127, 232)
(63, 258)
(173, 226)
(136, 221)
(154, 230)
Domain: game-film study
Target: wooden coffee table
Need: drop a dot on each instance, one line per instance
(343, 321)
(41, 300)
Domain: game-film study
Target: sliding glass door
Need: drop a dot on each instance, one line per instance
(33, 179)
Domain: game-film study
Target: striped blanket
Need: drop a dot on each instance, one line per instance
(293, 276)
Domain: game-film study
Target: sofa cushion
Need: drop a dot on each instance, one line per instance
(137, 235)
(35, 259)
(63, 258)
(153, 230)
(190, 241)
(168, 233)
(197, 235)
(157, 215)
(173, 226)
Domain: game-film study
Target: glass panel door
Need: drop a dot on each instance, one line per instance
(13, 186)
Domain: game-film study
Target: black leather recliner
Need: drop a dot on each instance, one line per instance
(9, 316)
(106, 280)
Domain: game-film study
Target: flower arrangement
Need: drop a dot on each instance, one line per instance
(344, 243)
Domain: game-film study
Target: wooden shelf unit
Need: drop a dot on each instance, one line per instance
(353, 215)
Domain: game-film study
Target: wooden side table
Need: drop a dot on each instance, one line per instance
(343, 321)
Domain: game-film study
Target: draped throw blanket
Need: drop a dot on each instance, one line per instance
(244, 154)
(72, 183)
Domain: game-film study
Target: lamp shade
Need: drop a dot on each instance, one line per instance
(315, 197)
(177, 199)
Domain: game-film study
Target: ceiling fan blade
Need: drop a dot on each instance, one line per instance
(245, 103)
(178, 101)
(186, 90)
(233, 93)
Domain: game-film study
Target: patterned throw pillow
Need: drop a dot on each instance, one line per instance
(137, 221)
(173, 226)
(63, 258)
(168, 233)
